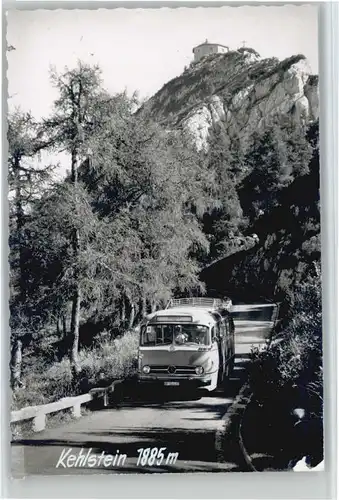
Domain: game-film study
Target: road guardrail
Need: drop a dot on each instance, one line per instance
(37, 414)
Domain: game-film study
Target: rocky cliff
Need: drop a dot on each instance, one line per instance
(240, 91)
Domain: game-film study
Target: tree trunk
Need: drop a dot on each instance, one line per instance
(64, 326)
(76, 300)
(16, 357)
(153, 306)
(148, 306)
(16, 365)
(143, 307)
(131, 316)
(19, 222)
(131, 310)
(122, 311)
(58, 331)
(75, 321)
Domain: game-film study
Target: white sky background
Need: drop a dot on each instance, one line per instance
(142, 49)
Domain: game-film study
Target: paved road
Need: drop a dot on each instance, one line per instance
(187, 427)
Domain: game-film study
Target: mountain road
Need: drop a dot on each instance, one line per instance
(182, 429)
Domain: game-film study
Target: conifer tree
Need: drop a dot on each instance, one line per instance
(75, 116)
(26, 181)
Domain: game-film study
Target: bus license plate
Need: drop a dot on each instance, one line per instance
(172, 383)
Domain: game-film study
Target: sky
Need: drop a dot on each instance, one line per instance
(142, 49)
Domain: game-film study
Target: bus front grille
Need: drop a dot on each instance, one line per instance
(171, 369)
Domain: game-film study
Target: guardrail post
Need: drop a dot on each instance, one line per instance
(76, 410)
(39, 422)
(105, 398)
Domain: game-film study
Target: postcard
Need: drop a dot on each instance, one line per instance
(164, 240)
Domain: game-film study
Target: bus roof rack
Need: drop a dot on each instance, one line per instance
(208, 302)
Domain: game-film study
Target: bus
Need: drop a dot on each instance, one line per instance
(189, 343)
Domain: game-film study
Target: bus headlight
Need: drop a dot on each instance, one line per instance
(199, 370)
(146, 369)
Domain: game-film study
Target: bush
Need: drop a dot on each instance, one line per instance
(293, 360)
(108, 361)
(288, 375)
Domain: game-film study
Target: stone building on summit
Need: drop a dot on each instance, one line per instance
(207, 48)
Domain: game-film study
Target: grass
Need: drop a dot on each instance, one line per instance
(106, 361)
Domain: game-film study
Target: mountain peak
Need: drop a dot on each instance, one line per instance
(237, 89)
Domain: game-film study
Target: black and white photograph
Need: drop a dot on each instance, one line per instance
(164, 240)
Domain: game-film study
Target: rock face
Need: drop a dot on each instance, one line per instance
(239, 91)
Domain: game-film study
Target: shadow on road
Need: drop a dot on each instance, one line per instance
(137, 396)
(193, 439)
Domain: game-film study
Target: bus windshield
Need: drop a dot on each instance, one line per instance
(174, 334)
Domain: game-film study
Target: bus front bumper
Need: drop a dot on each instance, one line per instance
(182, 382)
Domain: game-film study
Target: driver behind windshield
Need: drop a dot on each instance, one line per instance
(153, 335)
(184, 334)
